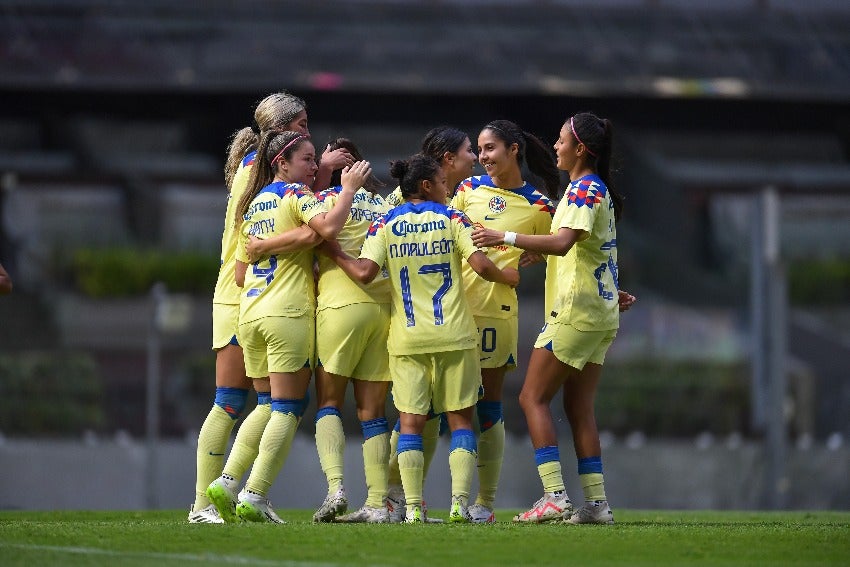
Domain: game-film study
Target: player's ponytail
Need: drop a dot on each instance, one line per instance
(242, 142)
(412, 171)
(597, 135)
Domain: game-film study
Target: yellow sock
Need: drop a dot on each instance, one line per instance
(212, 443)
(393, 476)
(550, 475)
(430, 437)
(330, 443)
(376, 450)
(593, 485)
(247, 442)
(491, 453)
(410, 465)
(274, 448)
(462, 467)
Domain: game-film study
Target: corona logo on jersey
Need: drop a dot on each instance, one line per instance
(497, 204)
(403, 227)
(586, 192)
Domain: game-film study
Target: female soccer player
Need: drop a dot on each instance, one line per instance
(432, 338)
(278, 112)
(583, 316)
(501, 199)
(277, 304)
(452, 149)
(352, 321)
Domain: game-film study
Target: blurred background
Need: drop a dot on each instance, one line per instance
(728, 384)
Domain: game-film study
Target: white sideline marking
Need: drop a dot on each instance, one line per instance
(206, 558)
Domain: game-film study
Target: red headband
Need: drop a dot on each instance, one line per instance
(573, 128)
(292, 141)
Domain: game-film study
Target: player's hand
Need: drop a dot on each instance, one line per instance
(625, 300)
(527, 258)
(252, 249)
(354, 176)
(483, 237)
(336, 159)
(512, 275)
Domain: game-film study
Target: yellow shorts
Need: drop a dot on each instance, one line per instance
(352, 341)
(277, 344)
(446, 381)
(497, 341)
(573, 347)
(225, 319)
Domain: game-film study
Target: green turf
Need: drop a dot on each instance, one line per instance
(163, 538)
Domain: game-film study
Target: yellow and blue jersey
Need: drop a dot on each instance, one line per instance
(422, 246)
(336, 289)
(280, 284)
(226, 290)
(581, 287)
(524, 210)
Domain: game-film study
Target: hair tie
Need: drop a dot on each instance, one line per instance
(575, 135)
(292, 141)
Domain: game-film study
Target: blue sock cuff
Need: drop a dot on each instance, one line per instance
(590, 465)
(287, 406)
(547, 455)
(409, 442)
(397, 427)
(304, 402)
(464, 439)
(374, 427)
(489, 414)
(329, 410)
(231, 400)
(264, 398)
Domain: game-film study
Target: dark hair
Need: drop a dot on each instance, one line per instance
(597, 136)
(262, 173)
(537, 154)
(442, 139)
(371, 184)
(411, 171)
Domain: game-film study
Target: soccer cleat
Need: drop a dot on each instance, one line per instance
(365, 515)
(428, 519)
(549, 508)
(458, 512)
(255, 507)
(222, 494)
(413, 515)
(481, 514)
(208, 515)
(598, 512)
(396, 504)
(334, 505)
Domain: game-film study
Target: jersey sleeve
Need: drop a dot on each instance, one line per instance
(375, 245)
(462, 227)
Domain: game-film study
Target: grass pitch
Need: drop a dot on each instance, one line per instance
(164, 538)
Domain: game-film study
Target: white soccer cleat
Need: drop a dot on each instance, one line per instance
(413, 514)
(428, 519)
(458, 511)
(255, 507)
(222, 494)
(481, 514)
(396, 504)
(598, 512)
(208, 515)
(365, 515)
(551, 507)
(334, 505)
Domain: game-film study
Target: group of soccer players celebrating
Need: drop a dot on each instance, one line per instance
(409, 297)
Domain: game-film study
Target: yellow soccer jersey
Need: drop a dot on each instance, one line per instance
(394, 199)
(336, 289)
(581, 287)
(524, 210)
(226, 290)
(281, 284)
(422, 246)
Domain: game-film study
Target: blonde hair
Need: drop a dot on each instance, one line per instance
(275, 112)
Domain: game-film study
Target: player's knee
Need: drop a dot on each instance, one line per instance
(231, 400)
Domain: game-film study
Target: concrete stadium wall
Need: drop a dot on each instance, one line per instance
(57, 475)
